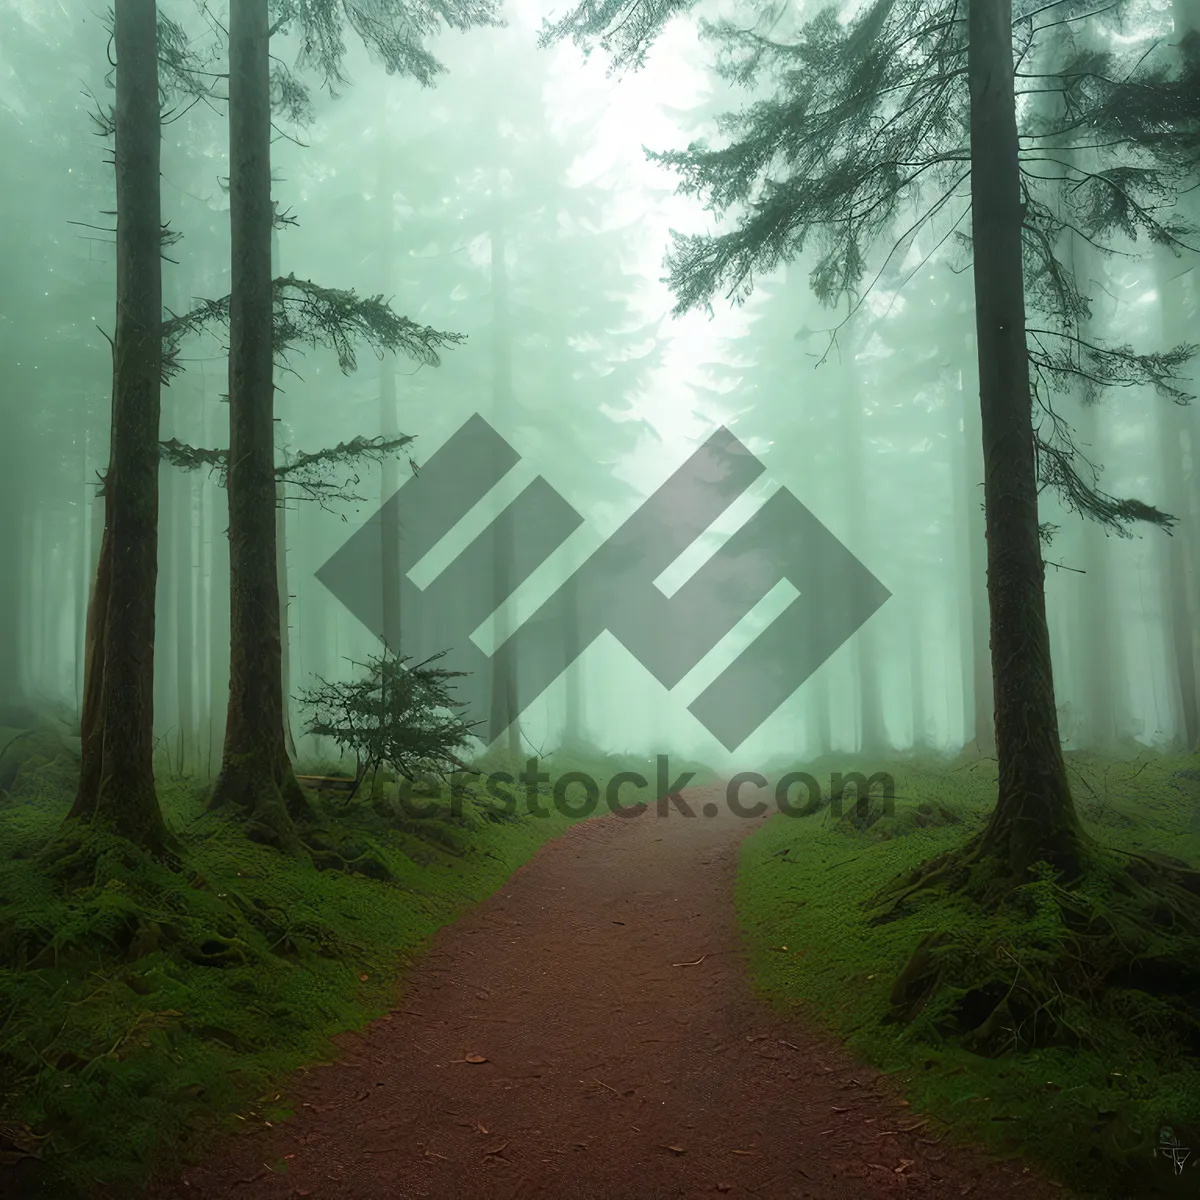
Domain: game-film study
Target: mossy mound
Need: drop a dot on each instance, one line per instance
(1062, 1025)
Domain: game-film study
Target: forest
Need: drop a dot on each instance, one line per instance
(599, 601)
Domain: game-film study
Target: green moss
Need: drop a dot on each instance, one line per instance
(1091, 1112)
(161, 1003)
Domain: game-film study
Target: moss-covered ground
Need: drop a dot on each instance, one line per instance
(1099, 1114)
(144, 1014)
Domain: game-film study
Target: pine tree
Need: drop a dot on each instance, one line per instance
(912, 100)
(863, 117)
(256, 772)
(116, 781)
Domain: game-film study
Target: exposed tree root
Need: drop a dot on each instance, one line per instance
(265, 790)
(84, 853)
(1024, 962)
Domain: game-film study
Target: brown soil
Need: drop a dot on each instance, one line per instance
(627, 1057)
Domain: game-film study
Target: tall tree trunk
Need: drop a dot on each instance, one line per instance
(1179, 447)
(186, 649)
(256, 773)
(916, 677)
(281, 549)
(573, 722)
(285, 608)
(85, 568)
(389, 484)
(504, 687)
(1097, 634)
(966, 464)
(389, 427)
(117, 775)
(873, 736)
(166, 714)
(13, 543)
(214, 510)
(1035, 816)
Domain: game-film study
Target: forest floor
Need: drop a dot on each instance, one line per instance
(591, 1030)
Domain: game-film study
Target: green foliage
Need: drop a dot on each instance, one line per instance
(309, 315)
(856, 143)
(1090, 1107)
(396, 715)
(395, 30)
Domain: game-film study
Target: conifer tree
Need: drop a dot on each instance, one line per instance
(911, 104)
(117, 774)
(915, 100)
(256, 772)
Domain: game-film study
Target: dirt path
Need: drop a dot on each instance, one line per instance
(612, 1072)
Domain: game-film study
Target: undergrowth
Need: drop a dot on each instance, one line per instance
(1098, 1108)
(160, 1005)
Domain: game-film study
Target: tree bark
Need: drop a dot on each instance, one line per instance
(1035, 817)
(117, 775)
(256, 773)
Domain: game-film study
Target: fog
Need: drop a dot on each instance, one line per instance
(512, 203)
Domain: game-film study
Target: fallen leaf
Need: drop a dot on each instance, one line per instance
(482, 1129)
(363, 978)
(475, 1058)
(676, 1149)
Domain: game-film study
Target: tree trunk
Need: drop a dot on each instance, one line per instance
(504, 688)
(389, 427)
(1178, 445)
(81, 580)
(1097, 637)
(13, 506)
(873, 735)
(166, 714)
(256, 773)
(966, 464)
(186, 577)
(573, 709)
(117, 776)
(1035, 816)
(216, 626)
(389, 484)
(983, 699)
(916, 677)
(285, 604)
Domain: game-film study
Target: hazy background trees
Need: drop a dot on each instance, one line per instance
(409, 193)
